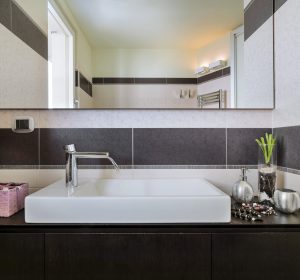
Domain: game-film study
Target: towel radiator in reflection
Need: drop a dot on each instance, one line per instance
(212, 98)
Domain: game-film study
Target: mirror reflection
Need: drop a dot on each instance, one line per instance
(127, 54)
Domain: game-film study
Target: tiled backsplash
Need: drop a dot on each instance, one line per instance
(134, 147)
(148, 146)
(288, 146)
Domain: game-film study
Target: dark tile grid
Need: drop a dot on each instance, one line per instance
(199, 146)
(19, 149)
(118, 142)
(288, 147)
(83, 83)
(179, 81)
(19, 23)
(184, 146)
(132, 80)
(241, 146)
(152, 147)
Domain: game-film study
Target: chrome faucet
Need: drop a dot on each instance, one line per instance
(71, 163)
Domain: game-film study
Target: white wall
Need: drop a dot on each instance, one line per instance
(143, 63)
(144, 96)
(258, 75)
(23, 74)
(155, 63)
(287, 57)
(216, 50)
(158, 62)
(85, 101)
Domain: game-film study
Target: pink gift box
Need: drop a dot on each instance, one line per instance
(12, 197)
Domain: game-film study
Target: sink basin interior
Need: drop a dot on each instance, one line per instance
(145, 188)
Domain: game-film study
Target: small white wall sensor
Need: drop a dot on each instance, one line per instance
(23, 124)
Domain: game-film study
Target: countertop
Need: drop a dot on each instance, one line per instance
(281, 222)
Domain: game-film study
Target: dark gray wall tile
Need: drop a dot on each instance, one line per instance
(90, 92)
(210, 76)
(279, 3)
(182, 146)
(182, 81)
(256, 14)
(5, 13)
(118, 80)
(76, 78)
(97, 81)
(214, 75)
(226, 71)
(288, 146)
(28, 32)
(18, 148)
(241, 146)
(132, 80)
(150, 80)
(118, 142)
(84, 84)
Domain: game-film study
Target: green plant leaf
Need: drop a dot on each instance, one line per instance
(267, 145)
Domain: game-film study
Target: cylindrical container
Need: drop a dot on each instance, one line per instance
(287, 201)
(267, 167)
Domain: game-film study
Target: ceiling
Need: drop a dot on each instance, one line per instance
(155, 23)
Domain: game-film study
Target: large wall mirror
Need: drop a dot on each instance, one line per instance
(136, 54)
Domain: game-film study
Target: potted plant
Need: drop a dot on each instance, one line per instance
(267, 166)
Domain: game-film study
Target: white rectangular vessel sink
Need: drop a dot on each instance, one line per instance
(129, 201)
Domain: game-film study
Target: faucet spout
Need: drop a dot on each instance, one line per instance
(71, 163)
(114, 163)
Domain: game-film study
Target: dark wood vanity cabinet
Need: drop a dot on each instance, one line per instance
(128, 256)
(21, 256)
(79, 253)
(259, 256)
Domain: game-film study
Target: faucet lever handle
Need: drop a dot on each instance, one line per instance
(70, 148)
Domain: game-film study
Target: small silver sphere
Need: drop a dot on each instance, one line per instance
(242, 192)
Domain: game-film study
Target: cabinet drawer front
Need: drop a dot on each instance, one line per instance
(256, 256)
(22, 256)
(128, 256)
